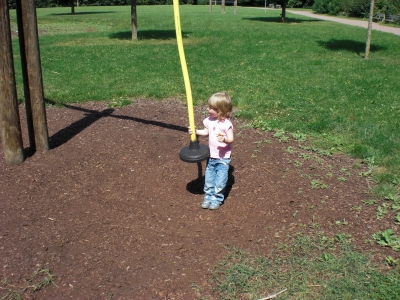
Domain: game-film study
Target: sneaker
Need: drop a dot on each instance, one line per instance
(205, 204)
(214, 206)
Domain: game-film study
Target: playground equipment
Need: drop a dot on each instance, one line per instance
(33, 86)
(194, 152)
(10, 127)
(223, 2)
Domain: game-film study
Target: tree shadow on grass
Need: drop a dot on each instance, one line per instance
(148, 35)
(84, 13)
(348, 45)
(279, 20)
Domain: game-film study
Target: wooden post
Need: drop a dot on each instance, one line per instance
(33, 77)
(10, 127)
(27, 96)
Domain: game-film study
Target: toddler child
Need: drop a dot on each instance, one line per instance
(219, 130)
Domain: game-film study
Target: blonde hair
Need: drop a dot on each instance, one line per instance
(222, 103)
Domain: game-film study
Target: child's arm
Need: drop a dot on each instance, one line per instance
(203, 132)
(228, 138)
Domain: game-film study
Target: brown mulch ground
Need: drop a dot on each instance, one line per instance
(113, 213)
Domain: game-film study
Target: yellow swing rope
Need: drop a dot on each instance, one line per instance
(184, 69)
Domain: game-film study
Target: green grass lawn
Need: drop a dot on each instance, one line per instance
(310, 267)
(306, 75)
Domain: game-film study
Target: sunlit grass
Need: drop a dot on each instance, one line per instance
(317, 267)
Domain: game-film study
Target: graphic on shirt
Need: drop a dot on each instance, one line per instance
(218, 128)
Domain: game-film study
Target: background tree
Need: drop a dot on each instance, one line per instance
(283, 4)
(134, 20)
(368, 43)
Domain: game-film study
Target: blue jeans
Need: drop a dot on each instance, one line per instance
(216, 178)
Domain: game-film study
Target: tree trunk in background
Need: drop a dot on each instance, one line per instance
(134, 20)
(223, 6)
(210, 6)
(33, 77)
(283, 11)
(72, 7)
(369, 32)
(235, 7)
(10, 127)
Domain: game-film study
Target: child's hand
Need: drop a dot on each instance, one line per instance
(201, 132)
(220, 137)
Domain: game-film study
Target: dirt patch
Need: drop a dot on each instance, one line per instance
(113, 212)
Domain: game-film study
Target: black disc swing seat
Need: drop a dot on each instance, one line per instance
(194, 152)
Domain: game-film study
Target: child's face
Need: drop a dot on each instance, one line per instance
(213, 112)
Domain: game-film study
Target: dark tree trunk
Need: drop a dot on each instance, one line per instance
(10, 127)
(283, 12)
(72, 7)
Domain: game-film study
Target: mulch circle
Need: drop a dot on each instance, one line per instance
(111, 210)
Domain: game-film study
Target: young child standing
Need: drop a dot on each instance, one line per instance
(219, 130)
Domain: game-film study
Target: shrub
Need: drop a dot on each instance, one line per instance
(321, 6)
(351, 8)
(295, 3)
(308, 3)
(300, 3)
(356, 8)
(389, 7)
(335, 7)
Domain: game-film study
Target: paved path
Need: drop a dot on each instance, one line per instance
(375, 26)
(359, 23)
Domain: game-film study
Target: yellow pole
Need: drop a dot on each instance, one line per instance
(184, 69)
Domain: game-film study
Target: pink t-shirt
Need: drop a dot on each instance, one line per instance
(217, 127)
